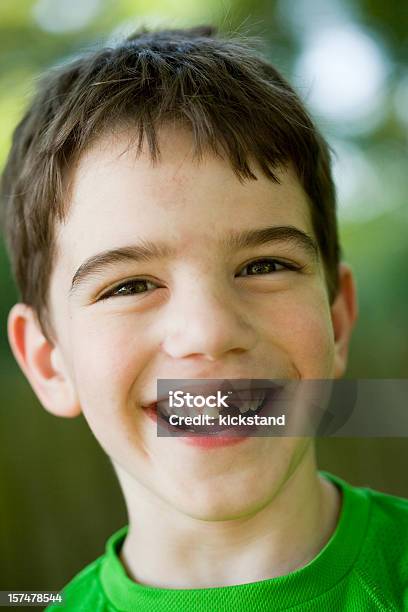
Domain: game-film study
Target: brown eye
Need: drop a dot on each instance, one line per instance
(265, 266)
(132, 287)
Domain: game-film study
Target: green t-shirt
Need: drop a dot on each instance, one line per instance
(363, 567)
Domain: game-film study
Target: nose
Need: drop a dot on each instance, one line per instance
(205, 323)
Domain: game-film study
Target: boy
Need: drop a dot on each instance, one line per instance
(170, 214)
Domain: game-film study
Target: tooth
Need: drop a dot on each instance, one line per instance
(246, 398)
(240, 390)
(254, 404)
(210, 411)
(250, 405)
(244, 407)
(260, 394)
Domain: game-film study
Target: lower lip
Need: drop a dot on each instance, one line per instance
(203, 442)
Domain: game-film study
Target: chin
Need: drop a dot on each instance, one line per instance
(218, 510)
(225, 501)
(238, 488)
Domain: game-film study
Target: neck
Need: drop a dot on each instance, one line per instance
(278, 539)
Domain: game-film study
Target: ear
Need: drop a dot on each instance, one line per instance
(344, 312)
(42, 363)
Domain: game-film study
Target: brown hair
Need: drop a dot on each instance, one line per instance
(231, 98)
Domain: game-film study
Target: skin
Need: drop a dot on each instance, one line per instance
(222, 516)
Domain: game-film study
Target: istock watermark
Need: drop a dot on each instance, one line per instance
(179, 399)
(219, 407)
(270, 407)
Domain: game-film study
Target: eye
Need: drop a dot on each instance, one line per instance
(266, 266)
(135, 286)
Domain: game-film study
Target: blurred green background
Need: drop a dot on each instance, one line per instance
(59, 499)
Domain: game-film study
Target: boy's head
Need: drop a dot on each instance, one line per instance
(231, 100)
(170, 213)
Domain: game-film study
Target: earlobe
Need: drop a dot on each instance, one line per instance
(344, 312)
(42, 363)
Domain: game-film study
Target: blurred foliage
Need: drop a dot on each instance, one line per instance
(59, 498)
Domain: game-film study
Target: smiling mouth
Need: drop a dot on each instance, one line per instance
(248, 402)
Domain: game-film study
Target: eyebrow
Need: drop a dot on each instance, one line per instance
(147, 251)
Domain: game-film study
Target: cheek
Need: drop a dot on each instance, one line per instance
(109, 360)
(302, 328)
(109, 356)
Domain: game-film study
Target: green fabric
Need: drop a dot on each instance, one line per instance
(363, 567)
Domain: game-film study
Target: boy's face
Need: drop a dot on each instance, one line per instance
(199, 311)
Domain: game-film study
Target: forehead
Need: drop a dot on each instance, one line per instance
(118, 196)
